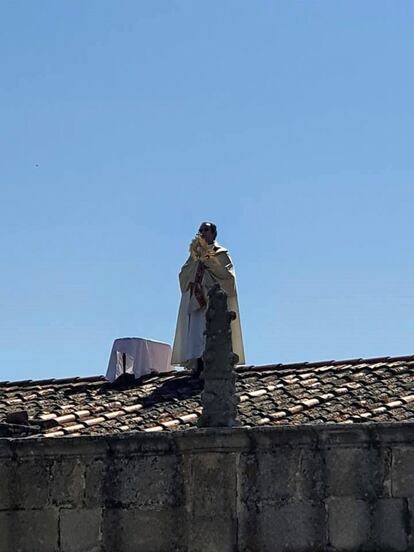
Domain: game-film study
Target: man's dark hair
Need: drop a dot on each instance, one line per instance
(212, 226)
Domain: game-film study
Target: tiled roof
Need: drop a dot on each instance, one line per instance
(350, 391)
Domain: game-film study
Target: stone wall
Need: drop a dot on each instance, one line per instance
(288, 488)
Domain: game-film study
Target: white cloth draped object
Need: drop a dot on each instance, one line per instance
(138, 356)
(189, 341)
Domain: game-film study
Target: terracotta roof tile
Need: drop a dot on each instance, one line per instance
(73, 428)
(93, 421)
(54, 434)
(408, 398)
(154, 428)
(347, 391)
(188, 418)
(171, 423)
(133, 407)
(62, 420)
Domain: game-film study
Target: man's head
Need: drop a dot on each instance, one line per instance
(208, 231)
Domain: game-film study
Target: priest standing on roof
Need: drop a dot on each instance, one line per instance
(209, 263)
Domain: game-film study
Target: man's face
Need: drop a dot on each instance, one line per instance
(206, 232)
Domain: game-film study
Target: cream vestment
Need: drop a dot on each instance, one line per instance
(196, 278)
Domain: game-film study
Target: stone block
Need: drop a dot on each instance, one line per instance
(212, 440)
(289, 472)
(67, 481)
(148, 482)
(348, 523)
(265, 438)
(248, 479)
(155, 444)
(210, 484)
(130, 530)
(248, 502)
(80, 530)
(291, 525)
(29, 531)
(83, 446)
(7, 498)
(349, 472)
(389, 524)
(27, 483)
(212, 534)
(410, 504)
(6, 450)
(403, 472)
(248, 537)
(334, 435)
(395, 434)
(382, 473)
(94, 483)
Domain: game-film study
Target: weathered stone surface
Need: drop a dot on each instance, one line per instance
(248, 532)
(248, 479)
(29, 531)
(148, 482)
(208, 489)
(27, 484)
(248, 502)
(219, 394)
(212, 534)
(292, 525)
(403, 471)
(155, 443)
(7, 471)
(270, 438)
(80, 530)
(94, 483)
(6, 450)
(223, 440)
(395, 434)
(348, 523)
(335, 435)
(210, 499)
(349, 472)
(67, 481)
(210, 484)
(389, 524)
(289, 472)
(410, 522)
(130, 530)
(382, 472)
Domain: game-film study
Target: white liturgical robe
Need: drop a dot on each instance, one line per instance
(196, 279)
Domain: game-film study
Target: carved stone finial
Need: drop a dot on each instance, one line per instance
(219, 398)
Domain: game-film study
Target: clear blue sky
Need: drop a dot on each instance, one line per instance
(124, 124)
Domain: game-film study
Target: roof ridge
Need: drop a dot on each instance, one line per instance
(78, 379)
(307, 365)
(58, 381)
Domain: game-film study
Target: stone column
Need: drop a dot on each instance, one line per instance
(219, 398)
